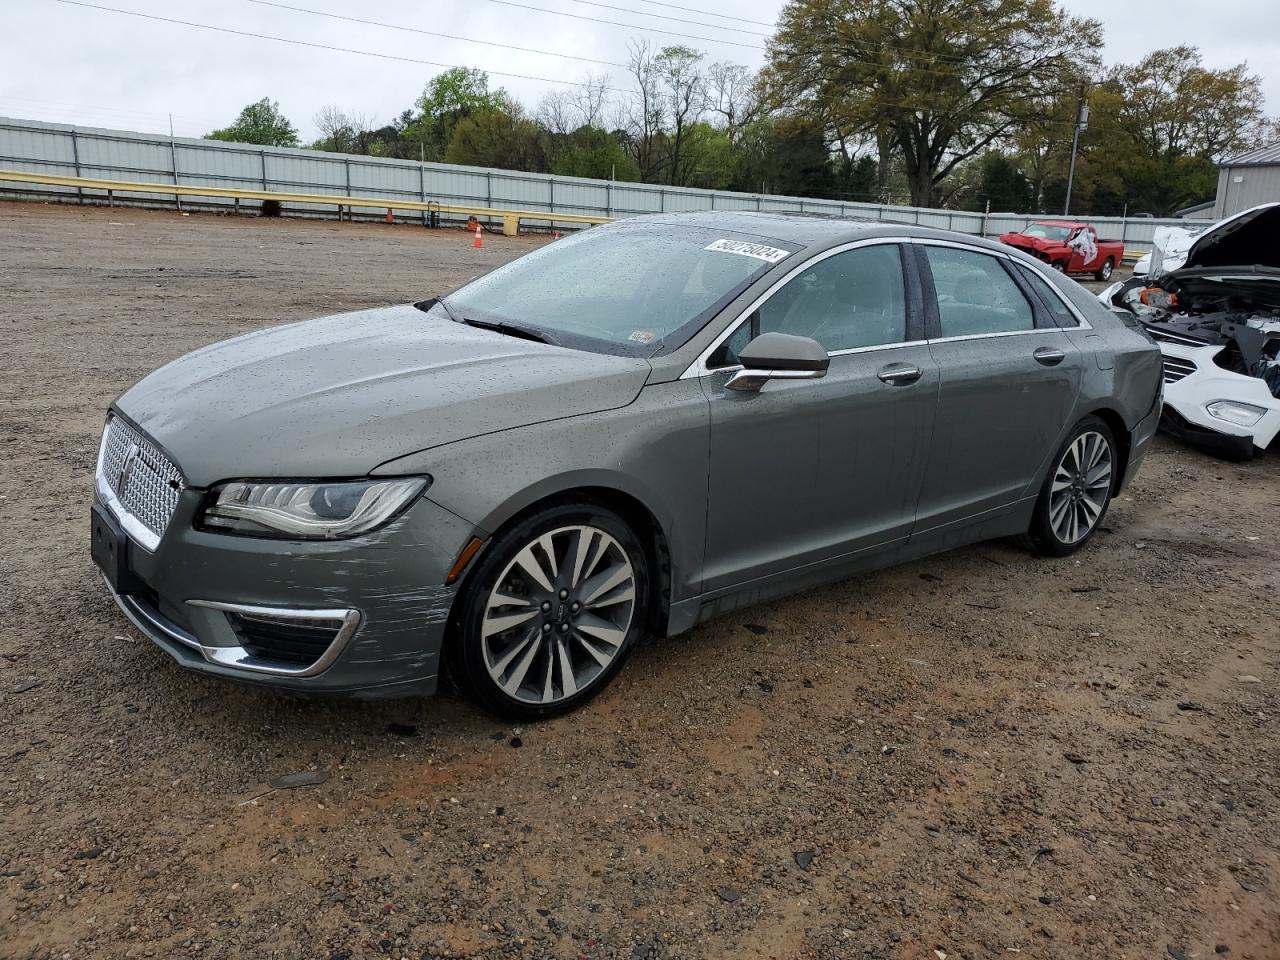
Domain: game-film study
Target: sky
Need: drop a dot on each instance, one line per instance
(76, 64)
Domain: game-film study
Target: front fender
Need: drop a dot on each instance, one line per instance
(655, 451)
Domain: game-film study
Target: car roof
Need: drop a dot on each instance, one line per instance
(807, 229)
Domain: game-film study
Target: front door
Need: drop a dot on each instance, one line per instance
(806, 471)
(1008, 380)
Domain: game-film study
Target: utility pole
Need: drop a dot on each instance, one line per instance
(1082, 123)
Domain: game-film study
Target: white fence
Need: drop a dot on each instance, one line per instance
(52, 148)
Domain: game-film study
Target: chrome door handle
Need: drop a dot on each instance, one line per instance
(900, 374)
(1049, 356)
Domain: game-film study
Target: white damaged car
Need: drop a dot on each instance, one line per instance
(1216, 319)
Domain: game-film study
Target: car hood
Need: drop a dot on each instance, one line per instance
(1025, 240)
(336, 396)
(1250, 237)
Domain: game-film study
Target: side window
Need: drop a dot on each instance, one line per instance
(1062, 316)
(853, 299)
(975, 294)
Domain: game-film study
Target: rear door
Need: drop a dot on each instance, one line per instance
(1008, 382)
(805, 471)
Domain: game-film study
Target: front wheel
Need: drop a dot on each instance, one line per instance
(1104, 272)
(551, 612)
(1059, 265)
(1077, 492)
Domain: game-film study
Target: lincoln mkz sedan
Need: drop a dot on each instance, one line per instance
(627, 431)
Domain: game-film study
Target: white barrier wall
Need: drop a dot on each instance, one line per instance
(53, 148)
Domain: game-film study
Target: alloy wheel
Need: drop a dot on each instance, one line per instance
(1081, 487)
(559, 614)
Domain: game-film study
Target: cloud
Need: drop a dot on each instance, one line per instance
(78, 65)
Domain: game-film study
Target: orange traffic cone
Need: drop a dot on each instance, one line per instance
(389, 217)
(478, 242)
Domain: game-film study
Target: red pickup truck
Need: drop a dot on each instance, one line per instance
(1069, 246)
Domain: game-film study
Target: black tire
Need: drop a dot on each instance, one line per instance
(1042, 536)
(1103, 274)
(466, 650)
(1059, 265)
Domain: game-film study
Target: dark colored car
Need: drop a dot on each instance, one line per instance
(630, 430)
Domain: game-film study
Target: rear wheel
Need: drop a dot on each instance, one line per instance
(1104, 272)
(551, 612)
(1077, 492)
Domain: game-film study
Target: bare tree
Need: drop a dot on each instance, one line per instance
(591, 99)
(645, 112)
(342, 131)
(731, 94)
(686, 96)
(556, 111)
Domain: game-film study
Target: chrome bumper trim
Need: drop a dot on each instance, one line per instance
(237, 657)
(348, 622)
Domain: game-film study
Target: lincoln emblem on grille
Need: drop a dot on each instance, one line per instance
(126, 468)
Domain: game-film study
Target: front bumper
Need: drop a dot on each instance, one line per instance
(373, 610)
(1199, 382)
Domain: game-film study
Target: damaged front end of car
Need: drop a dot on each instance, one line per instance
(1217, 322)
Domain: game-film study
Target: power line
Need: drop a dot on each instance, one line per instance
(631, 26)
(307, 43)
(432, 33)
(390, 56)
(708, 13)
(666, 16)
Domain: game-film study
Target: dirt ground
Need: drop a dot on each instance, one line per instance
(982, 754)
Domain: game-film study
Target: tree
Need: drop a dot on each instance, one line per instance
(938, 80)
(260, 123)
(1000, 182)
(343, 132)
(448, 98)
(1157, 128)
(591, 152)
(645, 114)
(494, 137)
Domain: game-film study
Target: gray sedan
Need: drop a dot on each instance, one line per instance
(628, 431)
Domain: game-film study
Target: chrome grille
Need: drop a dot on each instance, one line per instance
(1176, 368)
(146, 484)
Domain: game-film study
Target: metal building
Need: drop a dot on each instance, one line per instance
(1248, 180)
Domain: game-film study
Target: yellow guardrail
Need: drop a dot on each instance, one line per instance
(511, 219)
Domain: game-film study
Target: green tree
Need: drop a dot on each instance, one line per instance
(492, 137)
(1157, 128)
(260, 123)
(1000, 182)
(449, 97)
(939, 80)
(591, 152)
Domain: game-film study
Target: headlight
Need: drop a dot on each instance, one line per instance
(307, 511)
(1232, 411)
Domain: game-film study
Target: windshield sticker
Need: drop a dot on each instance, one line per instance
(743, 249)
(642, 336)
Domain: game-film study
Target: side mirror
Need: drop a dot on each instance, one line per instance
(778, 356)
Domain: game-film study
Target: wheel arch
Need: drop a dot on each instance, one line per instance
(628, 504)
(1123, 438)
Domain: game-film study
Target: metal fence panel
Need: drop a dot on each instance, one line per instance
(120, 155)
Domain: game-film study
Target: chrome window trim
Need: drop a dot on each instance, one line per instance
(1081, 322)
(698, 368)
(1001, 255)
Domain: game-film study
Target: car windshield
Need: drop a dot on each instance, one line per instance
(625, 288)
(1048, 231)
